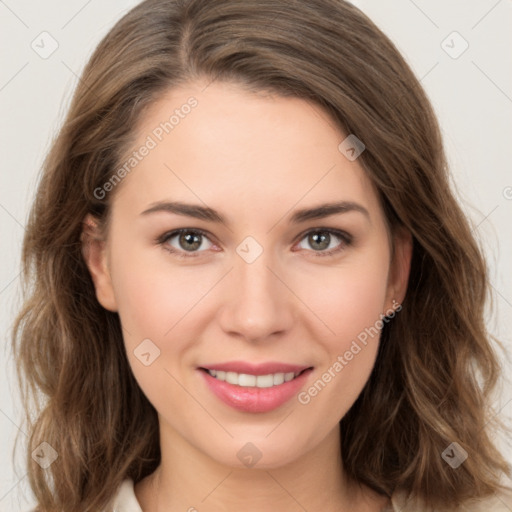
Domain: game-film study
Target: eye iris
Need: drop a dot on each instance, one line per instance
(319, 238)
(190, 238)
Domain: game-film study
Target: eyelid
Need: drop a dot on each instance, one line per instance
(338, 232)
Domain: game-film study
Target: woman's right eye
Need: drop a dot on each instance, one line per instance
(185, 242)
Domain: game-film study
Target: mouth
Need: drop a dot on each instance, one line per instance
(247, 380)
(254, 388)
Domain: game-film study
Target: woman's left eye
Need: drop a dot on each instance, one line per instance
(320, 239)
(190, 241)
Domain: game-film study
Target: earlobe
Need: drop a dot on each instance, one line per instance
(400, 269)
(94, 253)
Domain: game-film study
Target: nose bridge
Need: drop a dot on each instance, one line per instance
(255, 279)
(259, 304)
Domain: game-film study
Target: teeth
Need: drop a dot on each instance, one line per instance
(278, 379)
(246, 380)
(259, 381)
(232, 377)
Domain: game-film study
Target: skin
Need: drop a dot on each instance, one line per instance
(256, 158)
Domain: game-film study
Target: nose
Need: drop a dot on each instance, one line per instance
(259, 305)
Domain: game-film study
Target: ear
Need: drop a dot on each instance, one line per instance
(95, 256)
(400, 267)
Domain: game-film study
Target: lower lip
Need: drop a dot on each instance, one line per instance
(254, 399)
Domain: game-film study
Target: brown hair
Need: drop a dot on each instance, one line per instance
(436, 366)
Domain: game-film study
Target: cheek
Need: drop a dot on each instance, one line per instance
(155, 304)
(350, 304)
(349, 299)
(358, 303)
(152, 299)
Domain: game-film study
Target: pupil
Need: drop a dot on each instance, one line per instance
(323, 236)
(190, 238)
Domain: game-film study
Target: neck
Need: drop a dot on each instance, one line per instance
(189, 480)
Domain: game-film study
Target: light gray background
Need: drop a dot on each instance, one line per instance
(472, 95)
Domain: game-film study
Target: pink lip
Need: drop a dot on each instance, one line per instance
(256, 369)
(254, 399)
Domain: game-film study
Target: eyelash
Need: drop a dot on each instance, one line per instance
(346, 241)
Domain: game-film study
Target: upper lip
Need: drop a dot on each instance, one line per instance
(256, 369)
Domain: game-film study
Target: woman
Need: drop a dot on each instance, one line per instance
(252, 286)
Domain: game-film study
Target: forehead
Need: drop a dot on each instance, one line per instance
(224, 145)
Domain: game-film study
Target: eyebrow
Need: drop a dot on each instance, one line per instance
(209, 214)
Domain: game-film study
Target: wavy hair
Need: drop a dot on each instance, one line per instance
(436, 367)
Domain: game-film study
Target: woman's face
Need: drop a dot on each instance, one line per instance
(279, 285)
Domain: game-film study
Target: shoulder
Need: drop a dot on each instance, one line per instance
(500, 502)
(125, 499)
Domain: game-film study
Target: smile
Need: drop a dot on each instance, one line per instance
(248, 380)
(255, 388)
